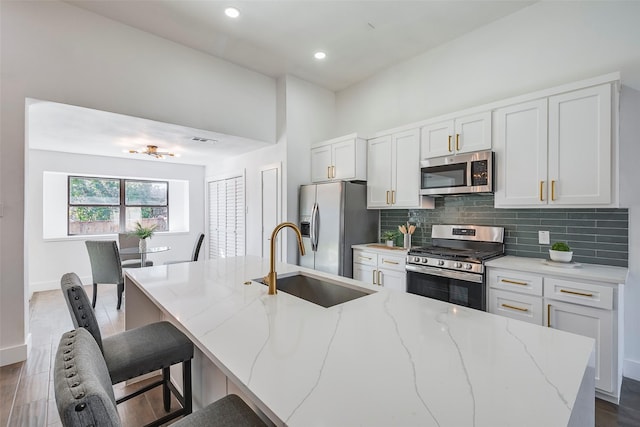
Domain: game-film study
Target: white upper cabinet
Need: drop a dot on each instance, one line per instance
(343, 158)
(394, 172)
(521, 153)
(462, 134)
(580, 147)
(379, 172)
(555, 151)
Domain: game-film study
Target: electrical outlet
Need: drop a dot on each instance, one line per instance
(543, 237)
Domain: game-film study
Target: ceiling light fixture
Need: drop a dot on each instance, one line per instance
(319, 55)
(152, 150)
(232, 12)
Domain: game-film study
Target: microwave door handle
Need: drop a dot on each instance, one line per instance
(469, 181)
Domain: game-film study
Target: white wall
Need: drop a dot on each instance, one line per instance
(544, 45)
(310, 117)
(306, 114)
(54, 51)
(49, 259)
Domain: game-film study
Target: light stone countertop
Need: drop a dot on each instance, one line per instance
(593, 272)
(381, 248)
(386, 359)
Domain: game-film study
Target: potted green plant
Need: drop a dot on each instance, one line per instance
(388, 237)
(561, 252)
(143, 233)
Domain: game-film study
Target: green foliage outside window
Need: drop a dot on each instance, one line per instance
(111, 205)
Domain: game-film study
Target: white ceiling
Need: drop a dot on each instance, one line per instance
(279, 37)
(72, 129)
(271, 37)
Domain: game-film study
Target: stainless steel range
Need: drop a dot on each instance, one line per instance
(452, 269)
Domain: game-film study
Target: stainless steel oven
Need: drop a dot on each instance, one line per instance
(452, 269)
(459, 174)
(466, 289)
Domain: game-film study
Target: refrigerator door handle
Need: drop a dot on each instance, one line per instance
(314, 227)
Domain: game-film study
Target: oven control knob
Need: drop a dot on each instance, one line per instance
(416, 259)
(458, 265)
(441, 262)
(468, 266)
(425, 260)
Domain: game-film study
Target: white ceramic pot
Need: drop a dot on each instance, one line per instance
(390, 243)
(560, 256)
(142, 245)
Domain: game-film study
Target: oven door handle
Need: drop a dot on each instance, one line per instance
(452, 274)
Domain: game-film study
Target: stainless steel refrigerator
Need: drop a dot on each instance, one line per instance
(334, 216)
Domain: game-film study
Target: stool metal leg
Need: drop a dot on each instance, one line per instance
(166, 392)
(186, 386)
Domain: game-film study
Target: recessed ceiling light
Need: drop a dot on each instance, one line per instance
(232, 12)
(319, 55)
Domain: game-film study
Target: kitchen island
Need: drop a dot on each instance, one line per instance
(385, 359)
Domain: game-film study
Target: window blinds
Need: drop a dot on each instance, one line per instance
(226, 218)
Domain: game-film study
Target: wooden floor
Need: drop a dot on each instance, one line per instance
(26, 388)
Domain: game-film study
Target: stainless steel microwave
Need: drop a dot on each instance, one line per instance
(458, 174)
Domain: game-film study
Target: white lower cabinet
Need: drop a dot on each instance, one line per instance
(516, 306)
(581, 307)
(380, 269)
(516, 295)
(591, 322)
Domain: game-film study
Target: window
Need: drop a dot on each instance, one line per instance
(112, 205)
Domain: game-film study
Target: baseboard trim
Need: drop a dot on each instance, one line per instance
(18, 353)
(631, 369)
(52, 285)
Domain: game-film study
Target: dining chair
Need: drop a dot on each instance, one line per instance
(106, 266)
(136, 352)
(127, 240)
(196, 251)
(84, 395)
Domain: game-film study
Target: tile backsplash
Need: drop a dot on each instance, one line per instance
(597, 236)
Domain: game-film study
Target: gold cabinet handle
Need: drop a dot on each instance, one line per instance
(582, 294)
(541, 185)
(457, 142)
(364, 257)
(548, 315)
(449, 143)
(513, 282)
(390, 262)
(513, 307)
(388, 197)
(333, 171)
(393, 197)
(379, 278)
(553, 191)
(374, 277)
(328, 172)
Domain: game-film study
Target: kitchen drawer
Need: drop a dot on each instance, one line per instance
(366, 258)
(527, 308)
(515, 281)
(588, 294)
(390, 262)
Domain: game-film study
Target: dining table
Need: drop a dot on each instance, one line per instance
(143, 254)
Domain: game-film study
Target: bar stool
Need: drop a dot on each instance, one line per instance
(136, 352)
(84, 395)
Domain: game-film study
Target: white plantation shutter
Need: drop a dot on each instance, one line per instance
(226, 218)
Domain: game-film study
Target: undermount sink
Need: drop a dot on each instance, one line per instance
(319, 291)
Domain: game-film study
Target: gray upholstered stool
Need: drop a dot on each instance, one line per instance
(84, 395)
(136, 352)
